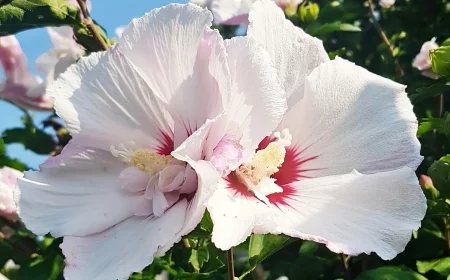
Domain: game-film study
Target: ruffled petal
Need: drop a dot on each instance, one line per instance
(106, 102)
(123, 249)
(182, 60)
(83, 197)
(352, 119)
(354, 213)
(258, 99)
(294, 53)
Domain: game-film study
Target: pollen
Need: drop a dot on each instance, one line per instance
(150, 162)
(266, 162)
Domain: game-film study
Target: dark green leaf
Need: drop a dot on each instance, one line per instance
(19, 15)
(198, 257)
(441, 266)
(31, 138)
(391, 273)
(263, 246)
(429, 92)
(318, 30)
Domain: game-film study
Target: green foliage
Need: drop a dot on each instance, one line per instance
(347, 30)
(20, 15)
(391, 273)
(440, 60)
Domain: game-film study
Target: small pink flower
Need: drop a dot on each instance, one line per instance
(227, 12)
(386, 3)
(20, 87)
(422, 61)
(8, 180)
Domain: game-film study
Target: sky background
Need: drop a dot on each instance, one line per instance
(36, 42)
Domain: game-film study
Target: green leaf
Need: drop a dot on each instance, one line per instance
(308, 248)
(441, 266)
(440, 60)
(390, 273)
(317, 30)
(428, 92)
(198, 257)
(20, 15)
(31, 138)
(263, 246)
(2, 147)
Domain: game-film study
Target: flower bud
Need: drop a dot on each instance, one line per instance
(440, 60)
(308, 12)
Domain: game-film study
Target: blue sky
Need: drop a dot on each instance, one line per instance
(35, 42)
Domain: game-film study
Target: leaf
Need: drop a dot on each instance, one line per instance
(317, 30)
(441, 266)
(390, 273)
(428, 92)
(20, 15)
(31, 138)
(2, 147)
(198, 257)
(263, 246)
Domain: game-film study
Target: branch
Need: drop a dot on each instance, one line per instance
(91, 25)
(383, 36)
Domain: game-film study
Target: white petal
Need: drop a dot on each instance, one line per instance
(183, 62)
(226, 11)
(103, 97)
(294, 53)
(352, 119)
(45, 64)
(207, 178)
(355, 213)
(125, 248)
(81, 198)
(258, 99)
(234, 216)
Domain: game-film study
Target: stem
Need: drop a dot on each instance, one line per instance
(91, 25)
(230, 264)
(441, 105)
(383, 36)
(344, 261)
(447, 233)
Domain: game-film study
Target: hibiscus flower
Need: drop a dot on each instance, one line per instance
(338, 170)
(235, 12)
(8, 180)
(118, 192)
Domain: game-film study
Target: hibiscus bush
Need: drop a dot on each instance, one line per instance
(220, 139)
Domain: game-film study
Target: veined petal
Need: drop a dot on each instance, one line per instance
(182, 60)
(104, 99)
(207, 178)
(231, 12)
(258, 99)
(294, 53)
(83, 197)
(352, 119)
(123, 249)
(234, 216)
(354, 213)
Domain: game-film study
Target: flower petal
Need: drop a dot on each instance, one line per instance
(231, 12)
(104, 99)
(294, 53)
(183, 62)
(234, 216)
(258, 99)
(355, 213)
(352, 119)
(104, 256)
(207, 178)
(81, 198)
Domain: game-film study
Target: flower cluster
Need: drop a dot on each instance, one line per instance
(264, 131)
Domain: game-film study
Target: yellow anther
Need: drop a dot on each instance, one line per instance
(266, 162)
(150, 162)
